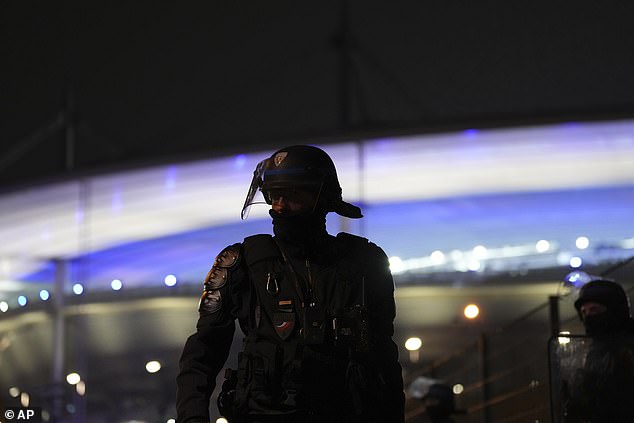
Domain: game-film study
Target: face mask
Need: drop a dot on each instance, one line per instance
(601, 324)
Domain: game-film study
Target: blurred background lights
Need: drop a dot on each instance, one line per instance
(471, 311)
(44, 295)
(576, 262)
(438, 257)
(221, 420)
(25, 399)
(474, 265)
(14, 392)
(396, 265)
(81, 388)
(170, 280)
(563, 340)
(542, 246)
(116, 284)
(78, 288)
(171, 420)
(71, 408)
(73, 378)
(152, 366)
(458, 389)
(4, 306)
(413, 344)
(582, 242)
(22, 301)
(479, 251)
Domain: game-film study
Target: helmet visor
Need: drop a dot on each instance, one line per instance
(254, 195)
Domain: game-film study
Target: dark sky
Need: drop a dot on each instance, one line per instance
(142, 82)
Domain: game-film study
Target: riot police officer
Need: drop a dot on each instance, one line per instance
(317, 311)
(603, 390)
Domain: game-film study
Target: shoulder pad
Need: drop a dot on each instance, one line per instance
(210, 302)
(228, 257)
(219, 273)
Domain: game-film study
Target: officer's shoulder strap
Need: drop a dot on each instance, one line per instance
(353, 240)
(260, 247)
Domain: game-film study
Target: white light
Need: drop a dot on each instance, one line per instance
(438, 257)
(81, 388)
(471, 311)
(44, 295)
(479, 251)
(455, 255)
(4, 306)
(458, 389)
(73, 378)
(78, 289)
(25, 399)
(152, 366)
(22, 301)
(542, 246)
(396, 265)
(474, 265)
(14, 391)
(116, 284)
(171, 420)
(563, 340)
(576, 262)
(170, 280)
(413, 344)
(582, 242)
(221, 420)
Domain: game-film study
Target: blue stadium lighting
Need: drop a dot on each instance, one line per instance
(170, 280)
(44, 295)
(116, 284)
(78, 289)
(240, 161)
(170, 177)
(22, 301)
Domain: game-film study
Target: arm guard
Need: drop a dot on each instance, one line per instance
(206, 351)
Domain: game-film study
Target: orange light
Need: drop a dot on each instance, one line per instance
(471, 311)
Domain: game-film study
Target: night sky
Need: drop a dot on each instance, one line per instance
(146, 82)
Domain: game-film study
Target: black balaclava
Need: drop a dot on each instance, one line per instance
(303, 233)
(613, 297)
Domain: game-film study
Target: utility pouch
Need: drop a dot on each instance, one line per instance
(314, 328)
(350, 329)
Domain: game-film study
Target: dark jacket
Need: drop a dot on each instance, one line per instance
(267, 288)
(603, 390)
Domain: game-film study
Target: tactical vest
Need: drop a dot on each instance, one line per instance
(283, 368)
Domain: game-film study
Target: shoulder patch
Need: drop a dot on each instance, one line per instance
(228, 257)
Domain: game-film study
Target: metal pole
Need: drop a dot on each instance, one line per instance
(484, 375)
(553, 303)
(59, 338)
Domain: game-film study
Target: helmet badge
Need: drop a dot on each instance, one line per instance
(279, 158)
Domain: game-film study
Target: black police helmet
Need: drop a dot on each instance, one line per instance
(307, 167)
(608, 293)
